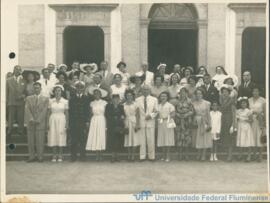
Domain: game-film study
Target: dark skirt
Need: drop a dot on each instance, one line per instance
(227, 139)
(115, 140)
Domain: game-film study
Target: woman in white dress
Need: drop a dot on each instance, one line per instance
(245, 139)
(118, 87)
(162, 71)
(132, 139)
(257, 105)
(166, 112)
(97, 132)
(58, 123)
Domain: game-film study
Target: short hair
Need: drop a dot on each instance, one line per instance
(129, 91)
(37, 83)
(120, 64)
(71, 75)
(247, 71)
(224, 82)
(225, 88)
(54, 89)
(192, 77)
(99, 75)
(159, 76)
(44, 69)
(199, 89)
(117, 74)
(61, 73)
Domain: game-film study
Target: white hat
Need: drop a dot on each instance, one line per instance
(160, 65)
(60, 86)
(234, 78)
(103, 92)
(79, 83)
(93, 66)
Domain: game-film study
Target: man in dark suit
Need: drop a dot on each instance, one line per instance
(15, 95)
(79, 110)
(210, 91)
(246, 87)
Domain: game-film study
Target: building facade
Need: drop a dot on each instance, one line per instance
(232, 35)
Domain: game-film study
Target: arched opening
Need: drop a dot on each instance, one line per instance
(254, 53)
(83, 43)
(172, 35)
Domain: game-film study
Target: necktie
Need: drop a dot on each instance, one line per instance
(46, 82)
(36, 100)
(246, 84)
(145, 104)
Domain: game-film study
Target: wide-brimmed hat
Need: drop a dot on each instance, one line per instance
(93, 66)
(103, 92)
(133, 78)
(187, 68)
(36, 74)
(234, 79)
(160, 65)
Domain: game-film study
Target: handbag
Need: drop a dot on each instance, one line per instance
(170, 123)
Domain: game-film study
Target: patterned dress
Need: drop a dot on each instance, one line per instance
(183, 118)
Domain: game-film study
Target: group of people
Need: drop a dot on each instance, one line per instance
(91, 109)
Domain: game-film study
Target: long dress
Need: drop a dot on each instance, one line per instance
(173, 91)
(227, 108)
(132, 139)
(57, 134)
(258, 109)
(97, 132)
(183, 119)
(202, 119)
(165, 134)
(244, 132)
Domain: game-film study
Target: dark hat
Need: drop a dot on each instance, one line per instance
(36, 74)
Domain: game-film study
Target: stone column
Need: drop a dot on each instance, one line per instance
(144, 40)
(59, 44)
(238, 51)
(202, 43)
(107, 43)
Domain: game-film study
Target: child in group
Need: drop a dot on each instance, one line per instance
(245, 137)
(215, 115)
(166, 125)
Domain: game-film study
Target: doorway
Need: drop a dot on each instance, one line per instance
(254, 53)
(172, 46)
(84, 44)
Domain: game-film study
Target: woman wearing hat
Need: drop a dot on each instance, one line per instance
(137, 82)
(62, 67)
(118, 87)
(58, 123)
(30, 77)
(227, 108)
(88, 73)
(187, 72)
(162, 71)
(97, 132)
(158, 86)
(62, 80)
(122, 70)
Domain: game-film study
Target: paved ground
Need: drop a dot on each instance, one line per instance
(124, 177)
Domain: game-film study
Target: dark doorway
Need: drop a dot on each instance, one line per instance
(83, 43)
(172, 46)
(253, 53)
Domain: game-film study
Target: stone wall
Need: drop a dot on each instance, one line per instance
(31, 35)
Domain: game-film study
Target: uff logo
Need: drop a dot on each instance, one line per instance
(143, 195)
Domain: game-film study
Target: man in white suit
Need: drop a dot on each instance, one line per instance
(148, 106)
(149, 76)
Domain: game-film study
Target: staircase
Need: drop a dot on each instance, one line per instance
(16, 150)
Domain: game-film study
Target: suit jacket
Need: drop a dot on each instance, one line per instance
(246, 91)
(79, 109)
(37, 111)
(211, 94)
(108, 79)
(14, 91)
(152, 108)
